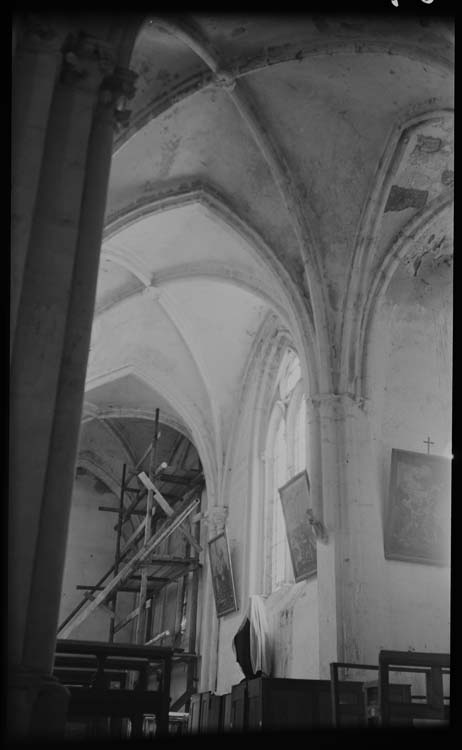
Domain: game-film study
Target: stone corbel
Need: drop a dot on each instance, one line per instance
(319, 529)
(216, 520)
(116, 91)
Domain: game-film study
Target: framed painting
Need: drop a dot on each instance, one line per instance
(419, 513)
(295, 500)
(222, 575)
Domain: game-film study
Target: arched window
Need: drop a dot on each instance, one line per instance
(286, 455)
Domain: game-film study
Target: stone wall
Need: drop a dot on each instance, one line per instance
(90, 553)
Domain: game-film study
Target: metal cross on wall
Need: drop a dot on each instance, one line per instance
(428, 443)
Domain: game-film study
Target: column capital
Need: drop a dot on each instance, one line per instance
(315, 399)
(116, 90)
(39, 33)
(86, 61)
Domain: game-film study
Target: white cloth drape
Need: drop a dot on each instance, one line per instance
(260, 645)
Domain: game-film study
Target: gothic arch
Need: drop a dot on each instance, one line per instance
(370, 273)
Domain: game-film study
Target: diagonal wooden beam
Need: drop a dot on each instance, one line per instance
(157, 637)
(139, 496)
(168, 510)
(122, 589)
(182, 699)
(140, 556)
(131, 616)
(133, 473)
(90, 596)
(139, 529)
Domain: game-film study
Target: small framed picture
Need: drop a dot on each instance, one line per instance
(295, 499)
(222, 575)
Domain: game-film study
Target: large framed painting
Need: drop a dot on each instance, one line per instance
(222, 575)
(419, 512)
(295, 500)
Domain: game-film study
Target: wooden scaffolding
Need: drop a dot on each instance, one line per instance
(138, 566)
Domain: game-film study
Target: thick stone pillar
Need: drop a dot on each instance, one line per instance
(48, 570)
(36, 64)
(350, 566)
(48, 369)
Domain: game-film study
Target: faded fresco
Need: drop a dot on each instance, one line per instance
(418, 524)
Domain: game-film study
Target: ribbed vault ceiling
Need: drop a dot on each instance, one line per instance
(229, 202)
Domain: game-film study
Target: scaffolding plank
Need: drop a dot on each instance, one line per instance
(157, 637)
(108, 509)
(170, 560)
(140, 528)
(140, 556)
(135, 536)
(177, 478)
(150, 486)
(171, 573)
(140, 492)
(131, 616)
(168, 510)
(122, 589)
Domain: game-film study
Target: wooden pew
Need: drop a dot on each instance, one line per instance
(194, 713)
(215, 720)
(433, 706)
(226, 712)
(204, 712)
(345, 712)
(100, 680)
(238, 709)
(393, 704)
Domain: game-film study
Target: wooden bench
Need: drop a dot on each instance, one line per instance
(101, 680)
(393, 704)
(433, 706)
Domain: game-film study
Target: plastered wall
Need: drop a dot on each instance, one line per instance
(90, 553)
(413, 398)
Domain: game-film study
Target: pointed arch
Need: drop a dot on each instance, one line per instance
(366, 268)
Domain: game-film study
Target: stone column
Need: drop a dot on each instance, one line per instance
(48, 368)
(36, 63)
(313, 440)
(48, 571)
(350, 566)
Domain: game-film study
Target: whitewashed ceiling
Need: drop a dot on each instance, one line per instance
(254, 150)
